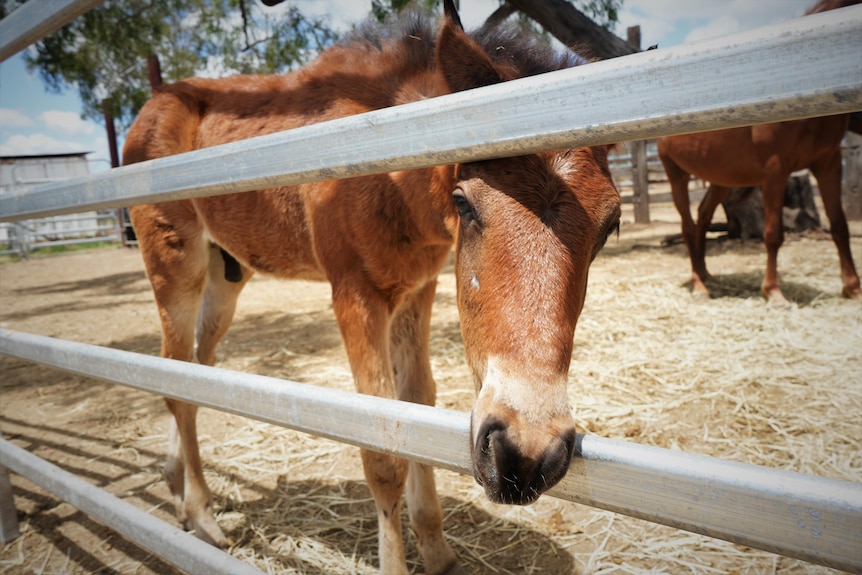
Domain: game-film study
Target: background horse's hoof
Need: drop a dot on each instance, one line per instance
(852, 293)
(699, 292)
(455, 570)
(775, 299)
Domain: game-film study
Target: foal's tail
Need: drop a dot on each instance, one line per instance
(168, 124)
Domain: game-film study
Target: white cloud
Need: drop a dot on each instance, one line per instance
(13, 118)
(34, 144)
(68, 122)
(716, 27)
(341, 14)
(668, 22)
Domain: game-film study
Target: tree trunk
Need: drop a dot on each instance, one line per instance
(744, 209)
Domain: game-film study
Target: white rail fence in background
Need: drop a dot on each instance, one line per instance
(803, 68)
(23, 237)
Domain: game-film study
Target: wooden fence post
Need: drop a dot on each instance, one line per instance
(852, 185)
(640, 171)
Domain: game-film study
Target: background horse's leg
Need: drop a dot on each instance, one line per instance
(773, 234)
(176, 257)
(363, 315)
(828, 174)
(679, 191)
(410, 333)
(715, 194)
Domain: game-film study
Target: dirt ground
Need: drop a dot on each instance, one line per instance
(728, 377)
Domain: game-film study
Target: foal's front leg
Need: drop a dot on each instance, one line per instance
(410, 334)
(363, 318)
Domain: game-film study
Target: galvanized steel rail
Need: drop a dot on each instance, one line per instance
(163, 540)
(36, 19)
(811, 518)
(801, 68)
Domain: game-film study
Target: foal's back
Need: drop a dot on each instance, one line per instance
(273, 230)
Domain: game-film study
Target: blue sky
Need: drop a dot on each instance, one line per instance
(34, 121)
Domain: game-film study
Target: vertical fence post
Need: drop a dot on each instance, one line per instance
(8, 513)
(640, 171)
(852, 186)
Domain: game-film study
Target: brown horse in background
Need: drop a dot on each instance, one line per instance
(764, 155)
(525, 230)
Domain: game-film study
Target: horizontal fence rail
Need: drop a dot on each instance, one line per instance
(170, 543)
(810, 518)
(36, 19)
(802, 68)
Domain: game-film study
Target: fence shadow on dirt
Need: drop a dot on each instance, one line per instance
(279, 519)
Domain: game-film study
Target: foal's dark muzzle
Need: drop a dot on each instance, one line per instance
(509, 472)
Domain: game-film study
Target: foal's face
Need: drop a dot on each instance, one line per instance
(529, 228)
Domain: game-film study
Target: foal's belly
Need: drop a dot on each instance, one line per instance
(266, 231)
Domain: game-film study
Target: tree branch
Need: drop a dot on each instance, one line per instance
(500, 14)
(574, 29)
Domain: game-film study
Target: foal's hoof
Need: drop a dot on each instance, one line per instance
(207, 529)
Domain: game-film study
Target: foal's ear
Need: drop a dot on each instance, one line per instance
(451, 13)
(461, 61)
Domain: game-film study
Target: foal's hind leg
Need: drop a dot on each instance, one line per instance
(177, 257)
(219, 303)
(828, 174)
(184, 470)
(410, 357)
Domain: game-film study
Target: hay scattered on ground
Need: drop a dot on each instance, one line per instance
(729, 377)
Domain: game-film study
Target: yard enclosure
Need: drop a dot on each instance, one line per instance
(729, 378)
(542, 100)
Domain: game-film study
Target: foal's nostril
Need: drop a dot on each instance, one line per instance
(556, 459)
(487, 432)
(511, 476)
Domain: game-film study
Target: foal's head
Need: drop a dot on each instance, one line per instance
(528, 228)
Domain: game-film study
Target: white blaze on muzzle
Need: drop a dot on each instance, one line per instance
(537, 401)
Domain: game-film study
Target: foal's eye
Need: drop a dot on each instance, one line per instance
(463, 207)
(615, 228)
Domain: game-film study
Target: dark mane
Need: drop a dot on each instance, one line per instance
(508, 45)
(413, 28)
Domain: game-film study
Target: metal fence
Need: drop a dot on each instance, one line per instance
(23, 237)
(733, 81)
